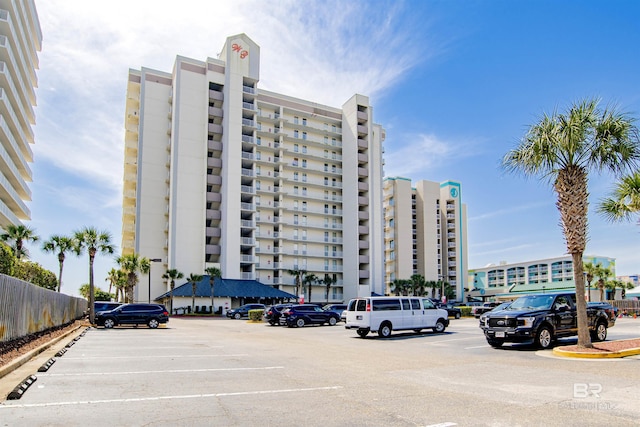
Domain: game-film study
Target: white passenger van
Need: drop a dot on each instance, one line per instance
(386, 314)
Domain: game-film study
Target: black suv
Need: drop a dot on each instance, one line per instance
(133, 314)
(243, 310)
(300, 315)
(273, 313)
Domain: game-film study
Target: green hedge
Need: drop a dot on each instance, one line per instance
(256, 315)
(466, 311)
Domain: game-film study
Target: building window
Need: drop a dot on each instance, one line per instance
(295, 205)
(326, 181)
(295, 176)
(304, 135)
(304, 220)
(295, 219)
(304, 191)
(295, 148)
(295, 134)
(295, 189)
(326, 154)
(304, 121)
(295, 161)
(326, 167)
(304, 177)
(257, 185)
(304, 206)
(304, 149)
(326, 140)
(333, 128)
(295, 120)
(304, 163)
(326, 236)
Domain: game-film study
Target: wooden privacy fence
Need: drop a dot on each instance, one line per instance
(630, 305)
(26, 309)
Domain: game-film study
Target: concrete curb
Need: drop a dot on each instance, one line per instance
(14, 364)
(600, 355)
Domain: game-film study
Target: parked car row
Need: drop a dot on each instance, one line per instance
(151, 315)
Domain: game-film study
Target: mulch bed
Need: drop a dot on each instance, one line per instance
(11, 351)
(605, 346)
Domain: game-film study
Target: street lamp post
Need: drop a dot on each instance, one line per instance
(151, 261)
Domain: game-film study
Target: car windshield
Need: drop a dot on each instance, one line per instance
(536, 302)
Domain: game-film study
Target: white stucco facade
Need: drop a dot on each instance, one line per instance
(221, 173)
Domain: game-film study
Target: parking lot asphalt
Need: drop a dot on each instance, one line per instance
(236, 373)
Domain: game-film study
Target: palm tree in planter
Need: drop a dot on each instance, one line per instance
(213, 272)
(60, 245)
(16, 236)
(194, 279)
(172, 275)
(95, 242)
(563, 148)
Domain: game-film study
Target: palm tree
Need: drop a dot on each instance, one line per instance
(131, 264)
(61, 245)
(418, 284)
(194, 279)
(298, 274)
(603, 279)
(309, 280)
(328, 281)
(625, 286)
(16, 236)
(625, 200)
(399, 286)
(94, 242)
(172, 274)
(564, 148)
(591, 271)
(213, 272)
(117, 279)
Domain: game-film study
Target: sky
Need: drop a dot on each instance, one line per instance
(455, 84)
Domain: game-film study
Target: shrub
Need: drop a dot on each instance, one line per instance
(466, 311)
(256, 315)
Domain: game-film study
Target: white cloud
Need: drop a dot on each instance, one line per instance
(323, 51)
(510, 210)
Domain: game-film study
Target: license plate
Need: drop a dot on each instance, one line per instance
(499, 334)
(358, 317)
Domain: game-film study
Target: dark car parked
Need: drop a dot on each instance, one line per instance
(336, 308)
(273, 313)
(452, 311)
(151, 315)
(243, 310)
(308, 314)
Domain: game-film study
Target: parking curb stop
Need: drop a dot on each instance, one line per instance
(22, 387)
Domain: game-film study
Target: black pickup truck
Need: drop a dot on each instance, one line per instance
(541, 319)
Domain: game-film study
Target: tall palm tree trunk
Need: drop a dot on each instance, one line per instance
(92, 297)
(573, 203)
(61, 262)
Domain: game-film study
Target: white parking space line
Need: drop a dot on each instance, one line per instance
(477, 346)
(163, 371)
(159, 398)
(157, 357)
(453, 339)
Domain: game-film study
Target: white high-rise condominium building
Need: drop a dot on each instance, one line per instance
(20, 42)
(425, 233)
(219, 173)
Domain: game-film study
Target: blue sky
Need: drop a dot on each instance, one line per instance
(455, 84)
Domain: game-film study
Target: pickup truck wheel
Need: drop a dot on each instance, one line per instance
(439, 328)
(363, 332)
(332, 321)
(385, 330)
(495, 343)
(544, 338)
(600, 333)
(153, 323)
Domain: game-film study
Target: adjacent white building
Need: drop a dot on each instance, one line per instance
(425, 232)
(218, 172)
(20, 42)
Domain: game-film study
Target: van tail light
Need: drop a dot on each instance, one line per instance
(368, 307)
